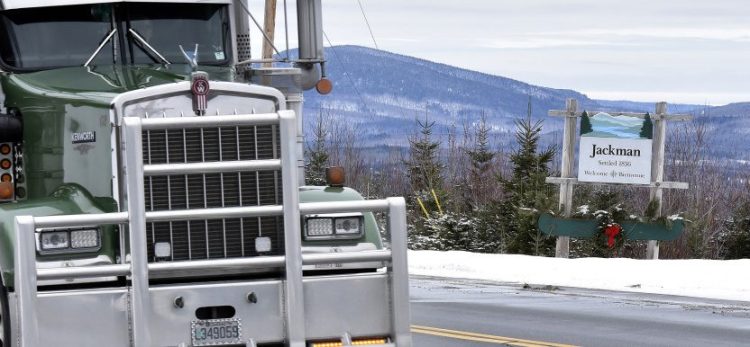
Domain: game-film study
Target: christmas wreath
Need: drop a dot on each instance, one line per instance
(610, 230)
(610, 235)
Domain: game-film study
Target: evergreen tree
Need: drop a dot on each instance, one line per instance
(526, 192)
(425, 171)
(486, 236)
(735, 238)
(647, 130)
(317, 154)
(586, 123)
(424, 167)
(481, 165)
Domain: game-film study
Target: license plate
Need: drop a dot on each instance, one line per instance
(216, 332)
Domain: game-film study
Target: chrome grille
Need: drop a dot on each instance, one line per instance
(212, 239)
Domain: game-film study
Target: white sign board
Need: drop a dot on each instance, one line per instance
(614, 160)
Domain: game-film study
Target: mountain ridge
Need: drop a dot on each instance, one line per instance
(383, 93)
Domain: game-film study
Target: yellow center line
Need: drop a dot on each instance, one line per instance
(477, 337)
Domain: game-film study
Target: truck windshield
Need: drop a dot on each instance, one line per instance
(146, 33)
(165, 27)
(54, 36)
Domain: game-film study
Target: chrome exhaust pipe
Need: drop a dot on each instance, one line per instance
(310, 37)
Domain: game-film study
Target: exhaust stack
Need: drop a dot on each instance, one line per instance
(310, 31)
(310, 36)
(242, 30)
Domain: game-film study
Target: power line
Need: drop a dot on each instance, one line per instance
(268, 40)
(361, 8)
(348, 75)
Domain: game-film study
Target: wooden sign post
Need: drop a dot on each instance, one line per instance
(567, 180)
(562, 248)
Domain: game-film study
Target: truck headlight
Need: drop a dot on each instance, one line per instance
(319, 227)
(84, 238)
(68, 241)
(348, 225)
(334, 226)
(54, 240)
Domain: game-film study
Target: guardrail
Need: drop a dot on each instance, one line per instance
(136, 217)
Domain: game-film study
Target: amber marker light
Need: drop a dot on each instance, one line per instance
(335, 176)
(356, 342)
(5, 149)
(6, 190)
(324, 86)
(5, 164)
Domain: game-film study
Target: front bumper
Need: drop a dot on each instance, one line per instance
(299, 308)
(357, 304)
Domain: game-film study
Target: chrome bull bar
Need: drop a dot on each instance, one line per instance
(135, 218)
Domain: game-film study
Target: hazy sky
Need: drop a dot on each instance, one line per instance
(687, 51)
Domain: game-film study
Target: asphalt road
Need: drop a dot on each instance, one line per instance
(451, 313)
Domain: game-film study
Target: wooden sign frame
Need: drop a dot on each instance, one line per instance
(567, 181)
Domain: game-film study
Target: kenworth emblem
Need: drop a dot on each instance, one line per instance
(83, 137)
(200, 92)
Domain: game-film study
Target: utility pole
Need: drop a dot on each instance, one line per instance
(269, 24)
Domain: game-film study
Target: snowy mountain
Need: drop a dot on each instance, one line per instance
(387, 92)
(383, 93)
(740, 109)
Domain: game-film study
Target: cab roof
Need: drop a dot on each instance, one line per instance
(15, 4)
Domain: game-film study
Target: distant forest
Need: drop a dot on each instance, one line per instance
(470, 151)
(471, 189)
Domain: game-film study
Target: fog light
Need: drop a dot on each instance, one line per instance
(262, 244)
(84, 238)
(54, 240)
(163, 250)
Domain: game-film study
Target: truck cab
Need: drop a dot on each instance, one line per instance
(152, 194)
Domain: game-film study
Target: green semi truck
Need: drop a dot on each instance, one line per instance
(152, 194)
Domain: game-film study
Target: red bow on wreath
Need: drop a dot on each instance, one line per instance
(611, 231)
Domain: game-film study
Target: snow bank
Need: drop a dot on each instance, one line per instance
(716, 279)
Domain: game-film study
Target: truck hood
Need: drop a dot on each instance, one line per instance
(101, 84)
(57, 104)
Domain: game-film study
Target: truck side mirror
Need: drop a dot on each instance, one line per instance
(11, 128)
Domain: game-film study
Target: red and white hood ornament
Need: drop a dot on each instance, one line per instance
(199, 88)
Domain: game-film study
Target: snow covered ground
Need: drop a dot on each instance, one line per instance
(715, 279)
